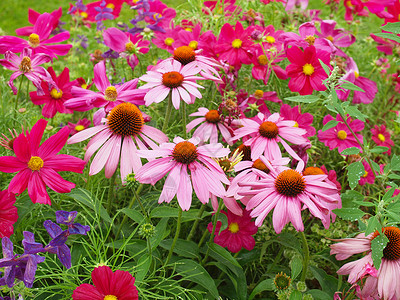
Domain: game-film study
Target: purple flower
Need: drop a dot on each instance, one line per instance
(78, 5)
(104, 12)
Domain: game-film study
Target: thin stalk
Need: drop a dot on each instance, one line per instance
(196, 223)
(203, 237)
(178, 230)
(18, 92)
(168, 113)
(306, 258)
(111, 192)
(184, 119)
(220, 204)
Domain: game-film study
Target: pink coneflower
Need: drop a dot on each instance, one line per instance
(305, 71)
(239, 233)
(53, 99)
(386, 282)
(212, 123)
(28, 65)
(368, 176)
(382, 137)
(302, 120)
(7, 142)
(108, 285)
(340, 136)
(38, 165)
(171, 77)
(179, 159)
(122, 134)
(33, 17)
(288, 192)
(79, 126)
(109, 96)
(267, 133)
(384, 45)
(8, 213)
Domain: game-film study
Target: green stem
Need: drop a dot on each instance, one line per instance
(221, 202)
(184, 119)
(203, 237)
(168, 113)
(111, 192)
(178, 229)
(18, 92)
(196, 223)
(306, 258)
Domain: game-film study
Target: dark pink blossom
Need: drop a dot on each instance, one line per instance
(382, 137)
(302, 120)
(32, 18)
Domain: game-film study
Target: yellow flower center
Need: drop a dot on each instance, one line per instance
(262, 60)
(110, 297)
(193, 45)
(356, 74)
(79, 127)
(111, 93)
(270, 39)
(398, 17)
(296, 124)
(56, 95)
(35, 163)
(129, 47)
(329, 37)
(308, 69)
(169, 41)
(25, 65)
(365, 174)
(110, 5)
(342, 135)
(310, 40)
(348, 2)
(84, 86)
(258, 94)
(84, 14)
(233, 227)
(237, 43)
(157, 16)
(34, 40)
(188, 29)
(381, 137)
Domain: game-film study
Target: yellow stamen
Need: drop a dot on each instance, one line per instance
(79, 127)
(55, 94)
(342, 135)
(381, 137)
(237, 43)
(270, 39)
(34, 40)
(84, 14)
(308, 69)
(35, 163)
(193, 45)
(169, 41)
(110, 5)
(233, 227)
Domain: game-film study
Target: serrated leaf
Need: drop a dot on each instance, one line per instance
(329, 125)
(377, 245)
(265, 285)
(394, 216)
(351, 151)
(296, 265)
(325, 67)
(350, 214)
(303, 99)
(354, 173)
(354, 112)
(379, 149)
(389, 194)
(373, 225)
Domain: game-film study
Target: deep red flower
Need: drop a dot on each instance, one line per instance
(8, 213)
(382, 137)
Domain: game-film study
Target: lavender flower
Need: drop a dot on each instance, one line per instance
(78, 5)
(104, 12)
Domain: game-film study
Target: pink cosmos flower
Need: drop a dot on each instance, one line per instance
(180, 159)
(79, 126)
(38, 165)
(227, 7)
(288, 192)
(189, 37)
(305, 71)
(291, 4)
(122, 134)
(234, 44)
(8, 213)
(260, 99)
(383, 284)
(166, 40)
(39, 41)
(239, 233)
(384, 45)
(109, 96)
(267, 133)
(52, 99)
(160, 14)
(89, 15)
(127, 45)
(212, 122)
(340, 136)
(354, 7)
(171, 77)
(382, 137)
(28, 65)
(33, 17)
(302, 120)
(369, 176)
(332, 177)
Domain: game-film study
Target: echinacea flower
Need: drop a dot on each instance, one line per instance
(107, 285)
(8, 213)
(79, 126)
(171, 77)
(382, 137)
(180, 159)
(383, 284)
(27, 64)
(122, 134)
(239, 233)
(38, 165)
(288, 192)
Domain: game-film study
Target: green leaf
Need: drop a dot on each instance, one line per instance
(224, 222)
(373, 225)
(395, 163)
(133, 215)
(265, 285)
(355, 171)
(350, 86)
(183, 248)
(172, 212)
(394, 176)
(354, 112)
(350, 214)
(389, 194)
(364, 203)
(142, 267)
(327, 282)
(160, 233)
(376, 167)
(295, 295)
(392, 27)
(377, 246)
(350, 197)
(350, 151)
(389, 36)
(325, 67)
(296, 265)
(303, 99)
(289, 240)
(329, 125)
(192, 271)
(379, 149)
(222, 255)
(318, 294)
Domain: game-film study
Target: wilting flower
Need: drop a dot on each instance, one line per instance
(382, 137)
(8, 213)
(38, 165)
(179, 158)
(79, 126)
(239, 233)
(108, 285)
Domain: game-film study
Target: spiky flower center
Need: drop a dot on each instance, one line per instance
(56, 94)
(282, 281)
(11, 143)
(193, 45)
(212, 116)
(268, 129)
(79, 127)
(258, 164)
(172, 79)
(310, 40)
(110, 93)
(237, 43)
(129, 47)
(313, 171)
(35, 163)
(330, 38)
(246, 151)
(290, 183)
(184, 55)
(262, 60)
(342, 135)
(169, 41)
(34, 40)
(125, 119)
(185, 152)
(258, 94)
(392, 249)
(381, 137)
(110, 297)
(270, 39)
(225, 164)
(308, 69)
(233, 227)
(25, 65)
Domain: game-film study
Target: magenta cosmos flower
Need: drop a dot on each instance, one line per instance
(33, 17)
(368, 176)
(267, 133)
(382, 137)
(386, 282)
(212, 123)
(122, 134)
(288, 192)
(78, 126)
(239, 233)
(180, 159)
(38, 165)
(302, 120)
(108, 285)
(338, 37)
(305, 71)
(340, 136)
(52, 99)
(109, 96)
(8, 213)
(39, 41)
(28, 65)
(171, 77)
